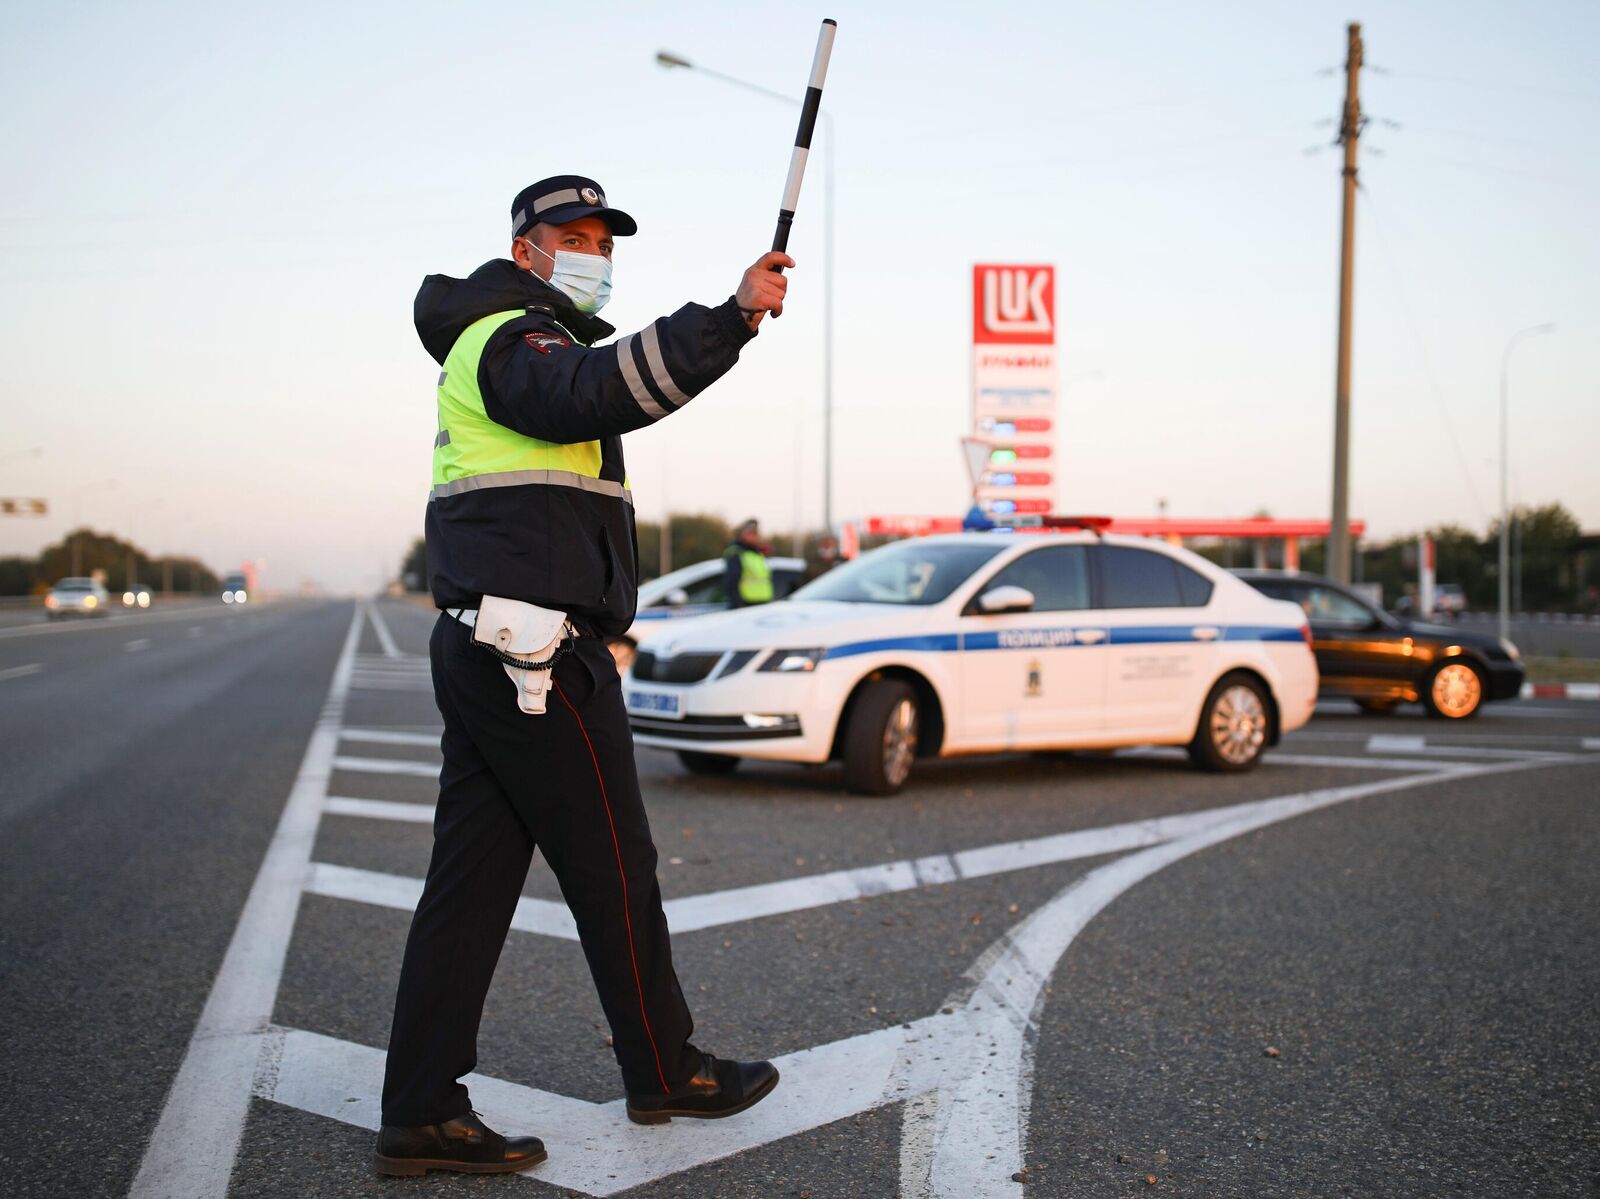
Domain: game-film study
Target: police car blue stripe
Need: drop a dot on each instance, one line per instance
(1025, 639)
(933, 643)
(1266, 632)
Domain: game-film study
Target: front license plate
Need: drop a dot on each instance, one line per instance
(663, 704)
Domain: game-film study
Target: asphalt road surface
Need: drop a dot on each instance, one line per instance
(1367, 968)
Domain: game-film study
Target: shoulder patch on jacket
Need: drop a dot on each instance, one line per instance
(543, 342)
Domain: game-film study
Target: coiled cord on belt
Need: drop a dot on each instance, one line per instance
(516, 663)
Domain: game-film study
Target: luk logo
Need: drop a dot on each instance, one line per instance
(1013, 304)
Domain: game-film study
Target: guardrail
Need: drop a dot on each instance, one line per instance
(21, 603)
(1536, 617)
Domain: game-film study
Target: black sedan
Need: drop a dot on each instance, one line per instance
(1380, 660)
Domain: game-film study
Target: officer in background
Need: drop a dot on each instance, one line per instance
(746, 573)
(530, 503)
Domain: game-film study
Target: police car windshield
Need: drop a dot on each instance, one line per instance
(907, 572)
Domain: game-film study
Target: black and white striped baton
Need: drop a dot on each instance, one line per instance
(802, 137)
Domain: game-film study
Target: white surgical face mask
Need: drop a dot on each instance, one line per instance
(585, 279)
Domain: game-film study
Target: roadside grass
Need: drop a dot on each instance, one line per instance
(1563, 669)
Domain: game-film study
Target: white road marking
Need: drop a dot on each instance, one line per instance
(1277, 758)
(381, 628)
(137, 644)
(714, 909)
(963, 1138)
(427, 770)
(18, 672)
(1420, 745)
(196, 631)
(390, 737)
(380, 809)
(191, 1152)
(1591, 743)
(401, 892)
(1390, 743)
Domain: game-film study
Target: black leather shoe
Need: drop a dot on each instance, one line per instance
(719, 1089)
(464, 1145)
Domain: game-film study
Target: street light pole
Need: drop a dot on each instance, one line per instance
(1505, 469)
(669, 60)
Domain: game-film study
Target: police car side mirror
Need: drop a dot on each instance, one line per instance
(1005, 599)
(676, 598)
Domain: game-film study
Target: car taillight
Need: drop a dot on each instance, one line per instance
(1305, 634)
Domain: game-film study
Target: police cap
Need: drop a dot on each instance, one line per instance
(564, 198)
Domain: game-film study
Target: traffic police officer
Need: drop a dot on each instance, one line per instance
(530, 503)
(746, 573)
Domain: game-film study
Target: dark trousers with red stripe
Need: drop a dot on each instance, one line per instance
(566, 783)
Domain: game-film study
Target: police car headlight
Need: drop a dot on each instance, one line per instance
(788, 661)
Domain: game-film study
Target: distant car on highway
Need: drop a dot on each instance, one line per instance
(1381, 661)
(76, 597)
(692, 591)
(981, 643)
(235, 589)
(137, 595)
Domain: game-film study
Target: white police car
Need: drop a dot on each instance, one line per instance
(978, 643)
(691, 590)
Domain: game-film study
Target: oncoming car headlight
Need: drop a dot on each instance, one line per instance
(788, 661)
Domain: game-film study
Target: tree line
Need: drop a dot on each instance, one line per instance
(103, 555)
(1554, 567)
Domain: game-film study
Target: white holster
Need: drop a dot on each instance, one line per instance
(527, 632)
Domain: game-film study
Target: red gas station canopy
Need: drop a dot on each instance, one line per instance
(1155, 526)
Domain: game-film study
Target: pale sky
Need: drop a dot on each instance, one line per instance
(215, 218)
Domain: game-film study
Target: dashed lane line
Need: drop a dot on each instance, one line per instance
(196, 1139)
(1420, 745)
(1274, 758)
(20, 672)
(137, 645)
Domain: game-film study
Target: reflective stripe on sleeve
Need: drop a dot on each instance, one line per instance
(533, 478)
(635, 381)
(658, 367)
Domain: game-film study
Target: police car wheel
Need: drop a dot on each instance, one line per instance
(1234, 724)
(1454, 691)
(696, 762)
(880, 744)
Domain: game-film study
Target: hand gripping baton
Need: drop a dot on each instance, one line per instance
(802, 137)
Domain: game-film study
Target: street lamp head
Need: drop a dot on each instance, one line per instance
(666, 58)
